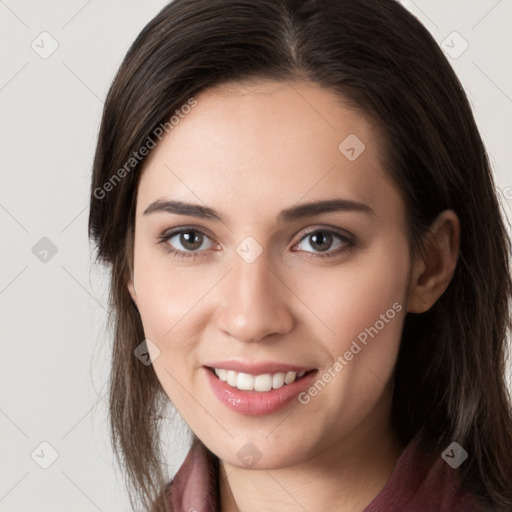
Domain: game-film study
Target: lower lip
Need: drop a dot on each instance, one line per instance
(256, 403)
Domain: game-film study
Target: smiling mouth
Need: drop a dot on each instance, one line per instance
(260, 383)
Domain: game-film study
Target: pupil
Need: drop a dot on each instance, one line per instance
(320, 240)
(187, 237)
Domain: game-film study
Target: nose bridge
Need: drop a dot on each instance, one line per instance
(253, 301)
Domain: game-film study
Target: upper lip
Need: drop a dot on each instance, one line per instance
(258, 368)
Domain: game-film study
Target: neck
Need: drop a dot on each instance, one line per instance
(350, 473)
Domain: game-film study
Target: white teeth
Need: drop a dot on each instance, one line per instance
(232, 378)
(290, 377)
(278, 380)
(245, 381)
(261, 383)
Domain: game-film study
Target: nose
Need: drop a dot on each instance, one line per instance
(254, 301)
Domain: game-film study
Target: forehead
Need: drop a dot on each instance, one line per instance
(255, 145)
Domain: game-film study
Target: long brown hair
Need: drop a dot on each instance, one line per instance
(449, 380)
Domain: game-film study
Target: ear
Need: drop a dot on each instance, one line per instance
(129, 263)
(130, 284)
(131, 289)
(433, 268)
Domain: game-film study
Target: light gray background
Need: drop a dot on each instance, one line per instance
(55, 350)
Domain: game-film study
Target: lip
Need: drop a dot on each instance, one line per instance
(257, 368)
(255, 403)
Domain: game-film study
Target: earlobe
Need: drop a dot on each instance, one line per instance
(130, 284)
(433, 269)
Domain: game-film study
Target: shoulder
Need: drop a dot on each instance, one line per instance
(423, 481)
(195, 485)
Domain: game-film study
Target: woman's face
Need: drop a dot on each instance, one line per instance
(266, 281)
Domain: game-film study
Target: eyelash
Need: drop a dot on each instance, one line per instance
(191, 255)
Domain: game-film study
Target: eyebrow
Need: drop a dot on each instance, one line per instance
(287, 215)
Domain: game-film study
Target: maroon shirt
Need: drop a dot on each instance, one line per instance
(419, 483)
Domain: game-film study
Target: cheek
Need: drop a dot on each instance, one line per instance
(169, 302)
(363, 304)
(362, 300)
(170, 297)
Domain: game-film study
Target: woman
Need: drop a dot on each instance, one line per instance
(308, 261)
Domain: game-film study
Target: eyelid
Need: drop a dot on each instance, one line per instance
(328, 229)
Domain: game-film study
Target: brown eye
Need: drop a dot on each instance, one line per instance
(186, 242)
(324, 241)
(190, 240)
(321, 240)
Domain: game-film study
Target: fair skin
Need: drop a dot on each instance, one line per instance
(249, 151)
